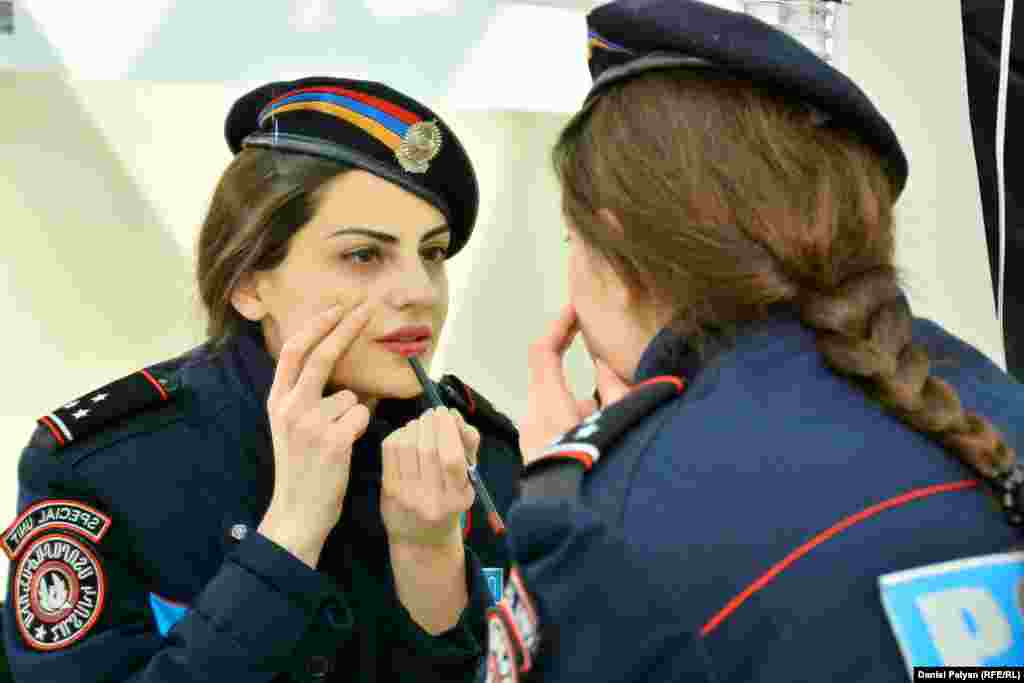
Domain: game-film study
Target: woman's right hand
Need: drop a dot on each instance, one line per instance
(312, 434)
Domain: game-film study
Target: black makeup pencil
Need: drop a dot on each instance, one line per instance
(493, 518)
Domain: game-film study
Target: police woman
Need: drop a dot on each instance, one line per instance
(278, 504)
(779, 438)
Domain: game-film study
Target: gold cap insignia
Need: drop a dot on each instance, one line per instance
(422, 142)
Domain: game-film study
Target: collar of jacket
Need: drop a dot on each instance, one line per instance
(670, 353)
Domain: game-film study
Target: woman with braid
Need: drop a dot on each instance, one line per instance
(779, 440)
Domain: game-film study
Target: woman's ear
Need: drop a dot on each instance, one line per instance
(246, 298)
(608, 217)
(635, 297)
(623, 293)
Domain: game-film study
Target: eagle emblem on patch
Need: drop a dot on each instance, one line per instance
(59, 588)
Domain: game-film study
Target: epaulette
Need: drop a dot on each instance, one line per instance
(110, 404)
(477, 409)
(565, 460)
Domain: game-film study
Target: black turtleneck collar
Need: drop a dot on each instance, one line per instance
(669, 353)
(256, 367)
(255, 363)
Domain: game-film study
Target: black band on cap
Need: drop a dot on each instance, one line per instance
(655, 60)
(666, 60)
(291, 142)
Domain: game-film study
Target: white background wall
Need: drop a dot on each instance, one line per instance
(109, 150)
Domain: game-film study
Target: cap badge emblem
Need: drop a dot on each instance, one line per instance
(420, 145)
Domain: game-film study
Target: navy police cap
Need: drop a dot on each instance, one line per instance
(628, 37)
(368, 125)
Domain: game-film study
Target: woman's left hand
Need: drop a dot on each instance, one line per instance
(551, 409)
(425, 485)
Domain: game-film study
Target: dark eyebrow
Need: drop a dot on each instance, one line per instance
(365, 232)
(386, 237)
(439, 230)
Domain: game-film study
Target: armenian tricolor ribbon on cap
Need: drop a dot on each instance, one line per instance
(414, 141)
(594, 39)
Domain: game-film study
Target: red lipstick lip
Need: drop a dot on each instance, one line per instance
(409, 333)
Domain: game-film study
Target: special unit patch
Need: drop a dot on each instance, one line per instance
(47, 515)
(513, 632)
(59, 589)
(501, 657)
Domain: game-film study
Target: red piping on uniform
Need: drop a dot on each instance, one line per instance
(835, 529)
(53, 428)
(585, 458)
(163, 394)
(469, 398)
(517, 636)
(678, 381)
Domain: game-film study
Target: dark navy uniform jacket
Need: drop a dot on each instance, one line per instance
(738, 532)
(189, 590)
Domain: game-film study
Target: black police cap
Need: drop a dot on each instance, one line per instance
(368, 125)
(628, 37)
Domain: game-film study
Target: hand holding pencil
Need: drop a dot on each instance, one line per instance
(493, 517)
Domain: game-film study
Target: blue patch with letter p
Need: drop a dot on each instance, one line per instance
(963, 613)
(495, 577)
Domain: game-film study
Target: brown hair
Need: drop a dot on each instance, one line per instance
(744, 201)
(261, 200)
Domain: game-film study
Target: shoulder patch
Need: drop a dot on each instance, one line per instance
(107, 405)
(477, 409)
(513, 632)
(58, 592)
(501, 658)
(48, 515)
(586, 442)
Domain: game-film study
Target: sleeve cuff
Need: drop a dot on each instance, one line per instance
(305, 587)
(463, 640)
(267, 599)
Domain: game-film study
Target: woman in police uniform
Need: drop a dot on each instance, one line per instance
(779, 438)
(277, 504)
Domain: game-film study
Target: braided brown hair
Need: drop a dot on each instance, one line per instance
(745, 201)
